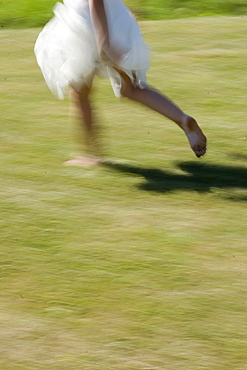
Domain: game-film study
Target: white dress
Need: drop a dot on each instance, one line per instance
(66, 49)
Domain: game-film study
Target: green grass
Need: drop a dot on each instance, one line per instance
(141, 263)
(166, 9)
(29, 13)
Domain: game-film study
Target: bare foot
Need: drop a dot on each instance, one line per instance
(197, 140)
(81, 161)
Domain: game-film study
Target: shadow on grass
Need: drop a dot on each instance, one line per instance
(196, 177)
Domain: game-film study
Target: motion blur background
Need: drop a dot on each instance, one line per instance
(139, 263)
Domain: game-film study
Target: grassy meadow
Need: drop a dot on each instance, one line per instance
(139, 263)
(29, 13)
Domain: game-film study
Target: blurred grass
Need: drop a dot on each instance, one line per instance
(167, 9)
(141, 263)
(28, 13)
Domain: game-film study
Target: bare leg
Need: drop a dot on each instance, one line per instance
(85, 128)
(164, 106)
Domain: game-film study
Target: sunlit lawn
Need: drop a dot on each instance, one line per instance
(141, 263)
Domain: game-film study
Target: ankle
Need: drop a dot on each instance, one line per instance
(188, 123)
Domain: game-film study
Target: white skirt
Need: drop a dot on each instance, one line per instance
(67, 54)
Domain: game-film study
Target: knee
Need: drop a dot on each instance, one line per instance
(127, 90)
(84, 92)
